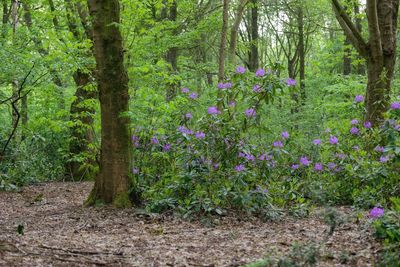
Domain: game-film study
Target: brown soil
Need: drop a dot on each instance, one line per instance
(58, 231)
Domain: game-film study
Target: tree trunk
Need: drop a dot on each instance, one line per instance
(382, 22)
(112, 183)
(379, 51)
(221, 59)
(172, 55)
(302, 53)
(82, 134)
(43, 52)
(14, 16)
(346, 57)
(4, 20)
(361, 65)
(82, 109)
(234, 31)
(253, 57)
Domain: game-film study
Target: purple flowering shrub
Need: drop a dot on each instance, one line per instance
(209, 162)
(214, 151)
(387, 227)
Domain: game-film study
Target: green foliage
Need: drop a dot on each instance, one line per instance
(306, 255)
(388, 229)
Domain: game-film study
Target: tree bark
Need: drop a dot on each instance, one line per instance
(302, 53)
(379, 52)
(346, 57)
(172, 54)
(253, 56)
(234, 31)
(221, 59)
(112, 183)
(82, 109)
(361, 65)
(15, 20)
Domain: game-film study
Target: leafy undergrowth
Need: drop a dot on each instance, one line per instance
(46, 225)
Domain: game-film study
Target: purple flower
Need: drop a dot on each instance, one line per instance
(290, 82)
(193, 95)
(241, 155)
(331, 165)
(189, 116)
(367, 125)
(384, 159)
(354, 130)
(200, 135)
(262, 157)
(356, 148)
(135, 141)
(216, 166)
(240, 69)
(317, 142)
(239, 168)
(277, 144)
(167, 147)
(154, 141)
(395, 105)
(359, 98)
(232, 104)
(224, 85)
(285, 135)
(333, 140)
(257, 88)
(185, 130)
(250, 157)
(304, 161)
(376, 212)
(354, 122)
(260, 73)
(135, 170)
(295, 166)
(185, 90)
(251, 112)
(340, 155)
(221, 86)
(318, 167)
(213, 110)
(380, 149)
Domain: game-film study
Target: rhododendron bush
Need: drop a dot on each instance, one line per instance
(217, 152)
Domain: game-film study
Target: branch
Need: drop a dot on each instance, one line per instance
(350, 29)
(14, 107)
(373, 28)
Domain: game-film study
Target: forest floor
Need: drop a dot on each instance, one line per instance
(58, 231)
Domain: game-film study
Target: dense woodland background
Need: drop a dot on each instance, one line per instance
(206, 107)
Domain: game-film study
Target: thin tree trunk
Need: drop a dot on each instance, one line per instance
(234, 31)
(172, 54)
(112, 183)
(43, 52)
(302, 54)
(14, 16)
(221, 59)
(361, 65)
(4, 20)
(253, 58)
(346, 57)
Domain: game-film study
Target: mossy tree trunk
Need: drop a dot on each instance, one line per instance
(379, 51)
(83, 154)
(112, 183)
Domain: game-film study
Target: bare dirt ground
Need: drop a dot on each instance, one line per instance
(58, 231)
